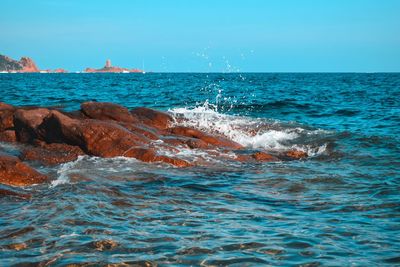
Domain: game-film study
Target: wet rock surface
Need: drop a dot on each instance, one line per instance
(16, 173)
(51, 154)
(50, 137)
(107, 111)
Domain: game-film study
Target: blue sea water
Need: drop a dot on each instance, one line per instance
(339, 207)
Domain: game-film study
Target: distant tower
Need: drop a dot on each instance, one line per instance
(108, 63)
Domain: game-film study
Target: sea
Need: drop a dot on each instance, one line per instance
(338, 207)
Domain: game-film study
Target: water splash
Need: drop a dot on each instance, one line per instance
(254, 133)
(65, 170)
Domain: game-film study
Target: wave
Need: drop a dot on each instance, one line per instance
(65, 170)
(253, 133)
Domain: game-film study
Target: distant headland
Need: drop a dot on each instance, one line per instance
(27, 65)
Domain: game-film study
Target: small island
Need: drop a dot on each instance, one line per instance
(27, 65)
(109, 68)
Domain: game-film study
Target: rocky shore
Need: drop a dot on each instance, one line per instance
(51, 136)
(27, 65)
(24, 65)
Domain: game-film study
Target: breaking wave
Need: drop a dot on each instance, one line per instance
(253, 133)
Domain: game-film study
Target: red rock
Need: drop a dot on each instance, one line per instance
(28, 65)
(107, 111)
(152, 118)
(5, 106)
(149, 155)
(97, 138)
(5, 192)
(258, 156)
(8, 136)
(77, 114)
(60, 70)
(16, 173)
(26, 123)
(296, 154)
(262, 156)
(174, 161)
(25, 64)
(6, 119)
(6, 116)
(217, 141)
(142, 129)
(111, 69)
(187, 142)
(51, 154)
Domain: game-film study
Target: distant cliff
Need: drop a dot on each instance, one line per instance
(25, 64)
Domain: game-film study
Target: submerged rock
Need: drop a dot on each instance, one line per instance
(257, 156)
(51, 154)
(5, 192)
(103, 245)
(16, 173)
(264, 157)
(214, 140)
(296, 154)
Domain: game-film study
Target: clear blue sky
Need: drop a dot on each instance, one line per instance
(205, 35)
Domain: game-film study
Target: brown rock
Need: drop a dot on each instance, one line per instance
(153, 118)
(107, 111)
(97, 138)
(217, 141)
(60, 70)
(8, 136)
(28, 65)
(16, 173)
(102, 245)
(258, 156)
(296, 154)
(262, 156)
(25, 64)
(17, 246)
(76, 114)
(5, 192)
(142, 129)
(27, 121)
(111, 69)
(5, 106)
(149, 155)
(6, 116)
(187, 142)
(174, 161)
(51, 154)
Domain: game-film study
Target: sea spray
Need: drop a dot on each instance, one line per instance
(253, 133)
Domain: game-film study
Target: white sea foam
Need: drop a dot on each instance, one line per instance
(250, 132)
(65, 170)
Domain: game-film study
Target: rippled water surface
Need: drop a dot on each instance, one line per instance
(339, 207)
